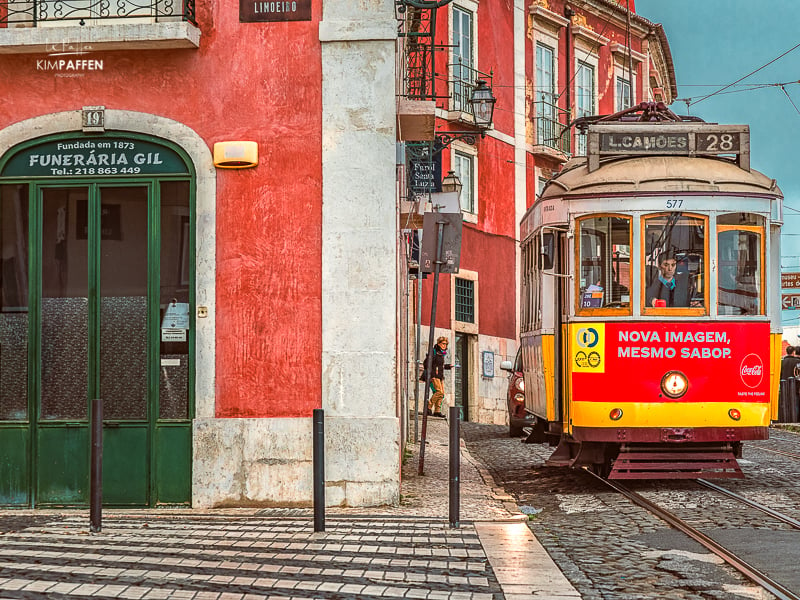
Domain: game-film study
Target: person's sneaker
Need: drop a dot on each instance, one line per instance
(430, 413)
(438, 414)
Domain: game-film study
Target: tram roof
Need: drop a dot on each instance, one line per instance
(648, 174)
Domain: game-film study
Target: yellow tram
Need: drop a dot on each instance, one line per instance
(650, 325)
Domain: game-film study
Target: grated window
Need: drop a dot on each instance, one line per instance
(465, 300)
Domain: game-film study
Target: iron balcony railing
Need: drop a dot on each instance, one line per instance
(551, 123)
(22, 13)
(463, 79)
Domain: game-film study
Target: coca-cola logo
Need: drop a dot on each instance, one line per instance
(751, 370)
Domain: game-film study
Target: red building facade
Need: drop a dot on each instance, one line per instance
(549, 62)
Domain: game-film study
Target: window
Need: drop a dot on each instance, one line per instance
(541, 182)
(462, 58)
(584, 99)
(623, 94)
(463, 166)
(604, 263)
(545, 97)
(739, 258)
(674, 246)
(465, 300)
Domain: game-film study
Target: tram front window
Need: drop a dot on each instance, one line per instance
(739, 251)
(674, 261)
(604, 261)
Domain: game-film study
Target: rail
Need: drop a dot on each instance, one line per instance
(83, 12)
(753, 574)
(551, 125)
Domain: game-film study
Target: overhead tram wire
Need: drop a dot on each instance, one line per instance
(748, 75)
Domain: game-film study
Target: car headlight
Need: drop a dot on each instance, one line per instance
(520, 384)
(674, 384)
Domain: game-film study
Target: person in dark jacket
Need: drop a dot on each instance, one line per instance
(670, 288)
(437, 376)
(789, 363)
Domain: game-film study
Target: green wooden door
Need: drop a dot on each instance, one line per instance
(102, 311)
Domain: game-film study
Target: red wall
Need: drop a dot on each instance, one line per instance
(248, 81)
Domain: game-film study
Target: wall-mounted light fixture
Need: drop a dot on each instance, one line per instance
(235, 155)
(481, 101)
(451, 183)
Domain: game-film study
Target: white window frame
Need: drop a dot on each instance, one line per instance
(465, 150)
(591, 63)
(469, 7)
(540, 87)
(463, 326)
(622, 74)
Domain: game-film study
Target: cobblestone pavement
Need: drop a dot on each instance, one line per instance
(611, 550)
(408, 551)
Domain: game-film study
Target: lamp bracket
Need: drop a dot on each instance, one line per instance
(446, 138)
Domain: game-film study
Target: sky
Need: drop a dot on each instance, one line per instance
(717, 42)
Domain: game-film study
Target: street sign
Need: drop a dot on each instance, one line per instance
(790, 301)
(451, 242)
(790, 281)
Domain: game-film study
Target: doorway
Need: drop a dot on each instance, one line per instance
(462, 374)
(97, 280)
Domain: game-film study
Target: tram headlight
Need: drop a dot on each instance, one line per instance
(734, 414)
(615, 414)
(674, 384)
(520, 384)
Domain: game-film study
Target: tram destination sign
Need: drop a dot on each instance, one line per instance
(684, 139)
(92, 157)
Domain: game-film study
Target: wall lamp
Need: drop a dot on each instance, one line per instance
(482, 102)
(451, 183)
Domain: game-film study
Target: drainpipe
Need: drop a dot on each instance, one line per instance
(569, 13)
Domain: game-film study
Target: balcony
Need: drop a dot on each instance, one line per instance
(552, 140)
(77, 26)
(463, 80)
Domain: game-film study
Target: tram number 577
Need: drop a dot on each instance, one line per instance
(674, 202)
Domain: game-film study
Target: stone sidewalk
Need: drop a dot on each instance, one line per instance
(408, 551)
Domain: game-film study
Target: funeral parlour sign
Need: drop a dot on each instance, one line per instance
(94, 156)
(263, 11)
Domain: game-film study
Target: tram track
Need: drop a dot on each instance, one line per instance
(754, 574)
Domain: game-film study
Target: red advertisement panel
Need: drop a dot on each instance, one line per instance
(723, 362)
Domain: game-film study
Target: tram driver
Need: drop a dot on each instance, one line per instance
(671, 288)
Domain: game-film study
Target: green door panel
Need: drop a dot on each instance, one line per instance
(63, 469)
(14, 466)
(125, 459)
(174, 464)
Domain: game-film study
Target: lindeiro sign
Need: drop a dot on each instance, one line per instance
(94, 156)
(259, 11)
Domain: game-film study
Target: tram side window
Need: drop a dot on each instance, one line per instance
(674, 261)
(739, 259)
(604, 262)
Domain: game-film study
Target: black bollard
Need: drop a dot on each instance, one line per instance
(96, 482)
(455, 465)
(319, 469)
(791, 397)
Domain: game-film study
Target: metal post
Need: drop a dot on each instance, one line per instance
(431, 333)
(319, 469)
(96, 480)
(455, 465)
(791, 405)
(416, 355)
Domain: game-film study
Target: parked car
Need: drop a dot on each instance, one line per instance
(518, 417)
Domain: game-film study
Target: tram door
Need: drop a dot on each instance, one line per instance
(93, 334)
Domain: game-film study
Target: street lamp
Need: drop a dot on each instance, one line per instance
(482, 102)
(451, 183)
